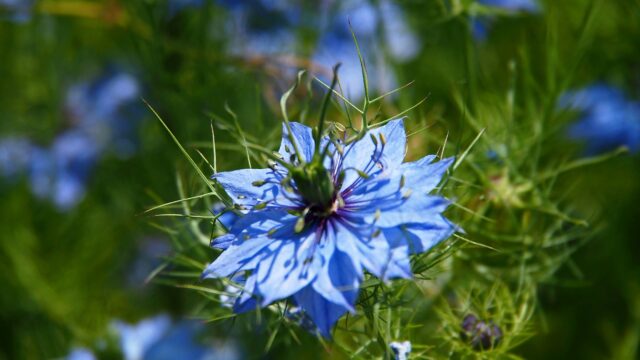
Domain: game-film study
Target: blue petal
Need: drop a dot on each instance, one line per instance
(260, 222)
(324, 313)
(425, 235)
(399, 266)
(248, 298)
(374, 158)
(422, 176)
(339, 281)
(419, 177)
(223, 242)
(365, 251)
(391, 212)
(291, 264)
(249, 187)
(246, 239)
(241, 255)
(303, 137)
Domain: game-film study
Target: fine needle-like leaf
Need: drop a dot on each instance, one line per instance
(202, 176)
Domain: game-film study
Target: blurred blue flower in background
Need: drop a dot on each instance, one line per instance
(175, 6)
(609, 119)
(152, 254)
(398, 43)
(267, 28)
(16, 10)
(15, 157)
(480, 24)
(514, 5)
(81, 353)
(103, 117)
(376, 214)
(158, 338)
(401, 350)
(107, 110)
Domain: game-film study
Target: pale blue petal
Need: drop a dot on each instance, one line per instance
(372, 157)
(249, 187)
(399, 266)
(223, 242)
(291, 264)
(419, 177)
(303, 137)
(422, 237)
(248, 299)
(339, 281)
(391, 212)
(365, 250)
(241, 255)
(422, 176)
(260, 222)
(324, 313)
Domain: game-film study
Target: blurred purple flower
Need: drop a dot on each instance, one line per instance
(480, 334)
(608, 119)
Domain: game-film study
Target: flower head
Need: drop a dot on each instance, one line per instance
(313, 223)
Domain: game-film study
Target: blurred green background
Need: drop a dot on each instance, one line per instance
(67, 269)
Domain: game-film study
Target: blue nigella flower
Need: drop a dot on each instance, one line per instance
(312, 225)
(480, 25)
(609, 119)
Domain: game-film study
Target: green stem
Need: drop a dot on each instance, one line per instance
(323, 112)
